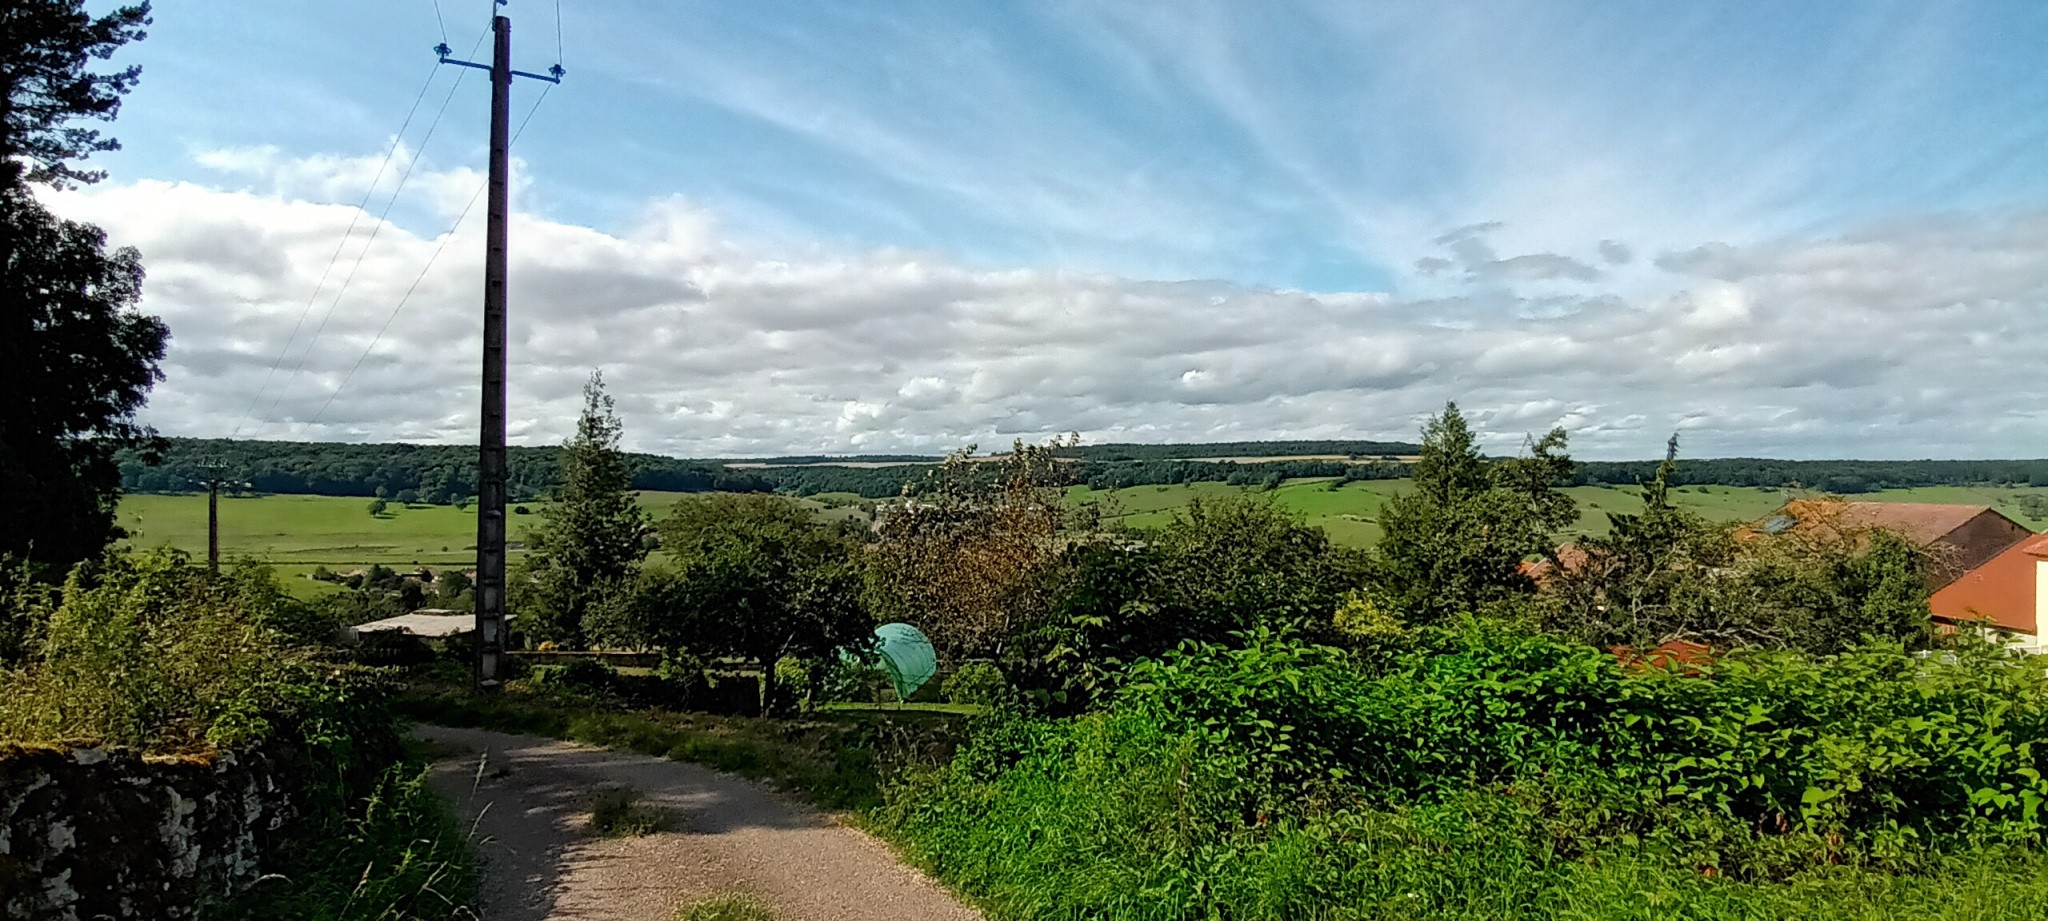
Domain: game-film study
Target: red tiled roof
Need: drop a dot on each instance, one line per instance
(2001, 591)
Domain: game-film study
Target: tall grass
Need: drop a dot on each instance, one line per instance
(400, 856)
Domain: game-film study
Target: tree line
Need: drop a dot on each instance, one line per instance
(435, 474)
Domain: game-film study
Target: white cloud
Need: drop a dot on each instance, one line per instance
(1910, 339)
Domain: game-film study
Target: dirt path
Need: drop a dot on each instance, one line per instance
(734, 837)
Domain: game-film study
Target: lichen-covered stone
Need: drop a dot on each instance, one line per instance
(90, 833)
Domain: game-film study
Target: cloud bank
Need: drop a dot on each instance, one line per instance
(1906, 339)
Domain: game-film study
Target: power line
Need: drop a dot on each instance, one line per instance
(443, 22)
(354, 215)
(558, 34)
(431, 258)
(378, 228)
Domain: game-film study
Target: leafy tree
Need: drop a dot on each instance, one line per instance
(754, 576)
(377, 506)
(1218, 570)
(76, 360)
(967, 554)
(592, 537)
(1456, 544)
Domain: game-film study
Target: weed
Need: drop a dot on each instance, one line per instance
(726, 908)
(621, 814)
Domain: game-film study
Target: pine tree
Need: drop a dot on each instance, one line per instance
(594, 534)
(1456, 544)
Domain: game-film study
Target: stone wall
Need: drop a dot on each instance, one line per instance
(92, 833)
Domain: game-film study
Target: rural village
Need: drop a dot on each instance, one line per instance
(1134, 462)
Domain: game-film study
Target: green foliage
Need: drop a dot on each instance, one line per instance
(1667, 574)
(592, 537)
(969, 555)
(26, 601)
(77, 361)
(1481, 771)
(409, 473)
(378, 505)
(46, 51)
(148, 650)
(1455, 545)
(399, 855)
(751, 576)
(1216, 569)
(979, 684)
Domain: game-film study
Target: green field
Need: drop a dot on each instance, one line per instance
(298, 533)
(1349, 512)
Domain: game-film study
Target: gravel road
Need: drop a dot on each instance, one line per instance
(531, 802)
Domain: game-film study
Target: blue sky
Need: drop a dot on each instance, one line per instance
(1478, 169)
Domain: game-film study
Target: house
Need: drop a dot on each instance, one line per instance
(2008, 595)
(1962, 537)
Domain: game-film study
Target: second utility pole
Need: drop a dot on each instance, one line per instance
(491, 473)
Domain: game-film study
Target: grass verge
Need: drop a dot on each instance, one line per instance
(835, 760)
(401, 856)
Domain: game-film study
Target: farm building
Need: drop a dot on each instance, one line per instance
(2007, 594)
(425, 623)
(1963, 537)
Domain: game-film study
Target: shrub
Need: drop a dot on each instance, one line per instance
(149, 651)
(1482, 771)
(980, 684)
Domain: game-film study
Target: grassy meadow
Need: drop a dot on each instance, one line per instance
(1348, 512)
(295, 534)
(298, 533)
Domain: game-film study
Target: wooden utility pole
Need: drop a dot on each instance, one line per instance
(491, 489)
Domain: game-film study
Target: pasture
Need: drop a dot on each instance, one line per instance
(1349, 512)
(298, 533)
(295, 534)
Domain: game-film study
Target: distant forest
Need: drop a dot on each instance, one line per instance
(441, 474)
(436, 474)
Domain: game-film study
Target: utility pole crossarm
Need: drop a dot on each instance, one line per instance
(554, 74)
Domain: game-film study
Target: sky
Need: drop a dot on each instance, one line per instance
(1810, 230)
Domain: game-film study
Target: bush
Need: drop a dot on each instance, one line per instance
(586, 675)
(147, 650)
(979, 684)
(1481, 771)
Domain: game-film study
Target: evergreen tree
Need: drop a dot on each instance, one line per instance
(76, 359)
(593, 536)
(46, 47)
(1456, 544)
